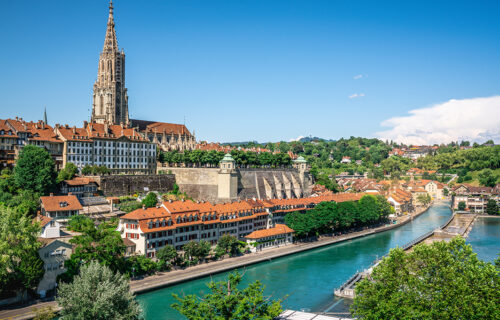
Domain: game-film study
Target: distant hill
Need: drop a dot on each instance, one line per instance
(310, 139)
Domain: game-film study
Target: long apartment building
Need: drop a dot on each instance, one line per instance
(176, 223)
(121, 149)
(475, 198)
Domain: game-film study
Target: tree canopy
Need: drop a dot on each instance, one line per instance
(327, 217)
(228, 302)
(68, 173)
(97, 293)
(35, 170)
(20, 265)
(443, 280)
(150, 200)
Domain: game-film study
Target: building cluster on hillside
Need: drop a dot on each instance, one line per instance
(176, 223)
(403, 195)
(413, 152)
(474, 198)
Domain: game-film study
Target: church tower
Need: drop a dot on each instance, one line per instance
(110, 100)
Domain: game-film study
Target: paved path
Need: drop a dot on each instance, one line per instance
(177, 276)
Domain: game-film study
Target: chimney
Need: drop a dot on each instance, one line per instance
(51, 194)
(85, 123)
(70, 193)
(170, 200)
(143, 207)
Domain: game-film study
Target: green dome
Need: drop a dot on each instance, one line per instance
(300, 160)
(227, 158)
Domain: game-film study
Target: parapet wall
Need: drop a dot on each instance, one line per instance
(117, 185)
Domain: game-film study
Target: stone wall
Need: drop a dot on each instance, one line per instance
(273, 183)
(198, 183)
(203, 183)
(117, 185)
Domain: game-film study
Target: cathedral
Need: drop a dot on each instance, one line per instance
(110, 99)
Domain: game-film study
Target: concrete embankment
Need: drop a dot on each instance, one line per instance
(203, 270)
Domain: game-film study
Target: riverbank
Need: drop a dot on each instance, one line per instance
(178, 276)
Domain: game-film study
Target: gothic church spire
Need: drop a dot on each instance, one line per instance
(110, 42)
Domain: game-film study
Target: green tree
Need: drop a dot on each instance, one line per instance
(140, 265)
(35, 170)
(492, 207)
(26, 201)
(68, 173)
(227, 302)
(444, 280)
(167, 255)
(227, 244)
(301, 223)
(80, 223)
(368, 209)
(462, 205)
(46, 313)
(20, 266)
(424, 199)
(324, 180)
(150, 200)
(97, 293)
(384, 207)
(101, 244)
(487, 178)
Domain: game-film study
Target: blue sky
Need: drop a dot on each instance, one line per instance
(261, 70)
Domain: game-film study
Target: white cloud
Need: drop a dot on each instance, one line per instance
(356, 95)
(359, 76)
(296, 139)
(476, 119)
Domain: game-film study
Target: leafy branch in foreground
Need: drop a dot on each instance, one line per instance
(443, 280)
(227, 302)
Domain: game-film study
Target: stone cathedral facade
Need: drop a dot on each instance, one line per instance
(110, 99)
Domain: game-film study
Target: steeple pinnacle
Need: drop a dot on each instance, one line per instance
(110, 42)
(110, 18)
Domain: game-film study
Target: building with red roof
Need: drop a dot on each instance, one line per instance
(60, 208)
(178, 222)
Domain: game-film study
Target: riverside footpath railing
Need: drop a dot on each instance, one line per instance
(346, 290)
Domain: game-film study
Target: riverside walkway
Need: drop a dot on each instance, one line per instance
(459, 224)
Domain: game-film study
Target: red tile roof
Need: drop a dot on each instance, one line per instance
(61, 203)
(277, 230)
(42, 220)
(79, 181)
(160, 127)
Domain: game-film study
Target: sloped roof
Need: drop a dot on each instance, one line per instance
(277, 230)
(79, 181)
(160, 127)
(61, 203)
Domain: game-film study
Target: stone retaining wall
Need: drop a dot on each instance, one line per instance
(118, 185)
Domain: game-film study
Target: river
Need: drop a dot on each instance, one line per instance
(485, 238)
(306, 280)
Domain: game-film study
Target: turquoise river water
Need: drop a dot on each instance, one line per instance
(307, 280)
